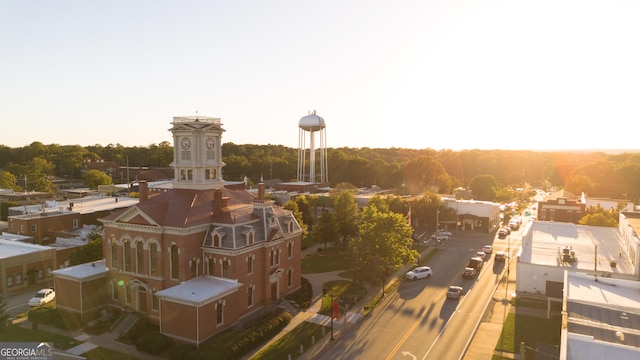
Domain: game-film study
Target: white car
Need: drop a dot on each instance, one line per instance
(420, 272)
(42, 297)
(488, 249)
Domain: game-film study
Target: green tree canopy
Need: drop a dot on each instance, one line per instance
(88, 253)
(325, 231)
(292, 206)
(93, 178)
(7, 180)
(484, 187)
(345, 214)
(384, 241)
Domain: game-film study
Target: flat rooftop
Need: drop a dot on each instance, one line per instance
(11, 248)
(603, 318)
(543, 243)
(85, 205)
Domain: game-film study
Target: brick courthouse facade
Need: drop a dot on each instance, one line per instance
(201, 257)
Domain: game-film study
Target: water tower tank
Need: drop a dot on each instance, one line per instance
(310, 126)
(311, 122)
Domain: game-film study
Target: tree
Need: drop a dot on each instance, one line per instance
(7, 180)
(345, 214)
(292, 206)
(37, 173)
(88, 253)
(426, 174)
(305, 209)
(325, 231)
(94, 178)
(484, 187)
(384, 242)
(598, 216)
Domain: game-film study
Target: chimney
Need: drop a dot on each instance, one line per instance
(217, 201)
(261, 191)
(143, 190)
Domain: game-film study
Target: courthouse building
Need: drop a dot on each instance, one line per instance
(197, 259)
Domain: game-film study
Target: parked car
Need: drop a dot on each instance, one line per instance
(446, 233)
(469, 273)
(420, 272)
(475, 262)
(500, 256)
(439, 237)
(504, 232)
(482, 255)
(487, 249)
(454, 292)
(42, 297)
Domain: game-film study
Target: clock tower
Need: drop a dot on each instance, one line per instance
(197, 159)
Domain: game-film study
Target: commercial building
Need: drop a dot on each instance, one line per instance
(601, 318)
(551, 248)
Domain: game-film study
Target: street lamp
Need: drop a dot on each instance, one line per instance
(332, 306)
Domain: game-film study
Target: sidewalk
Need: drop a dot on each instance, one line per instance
(488, 333)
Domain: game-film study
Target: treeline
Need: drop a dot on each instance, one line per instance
(411, 171)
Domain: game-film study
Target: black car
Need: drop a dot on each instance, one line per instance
(504, 232)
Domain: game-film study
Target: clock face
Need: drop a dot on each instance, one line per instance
(210, 143)
(185, 143)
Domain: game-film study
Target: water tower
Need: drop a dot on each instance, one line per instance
(312, 124)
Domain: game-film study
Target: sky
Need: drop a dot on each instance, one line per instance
(458, 75)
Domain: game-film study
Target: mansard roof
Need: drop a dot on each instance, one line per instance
(188, 207)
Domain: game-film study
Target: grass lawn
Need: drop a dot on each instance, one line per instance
(290, 343)
(344, 288)
(530, 329)
(21, 334)
(333, 258)
(101, 353)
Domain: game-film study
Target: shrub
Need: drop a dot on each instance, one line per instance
(152, 342)
(303, 296)
(180, 351)
(234, 344)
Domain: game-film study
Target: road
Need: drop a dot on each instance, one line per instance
(417, 321)
(17, 304)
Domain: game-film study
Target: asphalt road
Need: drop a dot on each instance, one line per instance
(418, 321)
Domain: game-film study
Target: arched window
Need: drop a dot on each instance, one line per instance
(139, 257)
(115, 259)
(153, 258)
(174, 262)
(126, 248)
(250, 264)
(216, 240)
(212, 268)
(226, 267)
(219, 314)
(250, 296)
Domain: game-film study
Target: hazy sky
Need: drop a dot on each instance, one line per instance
(418, 74)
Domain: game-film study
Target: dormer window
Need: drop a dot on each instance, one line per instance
(216, 240)
(289, 225)
(249, 234)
